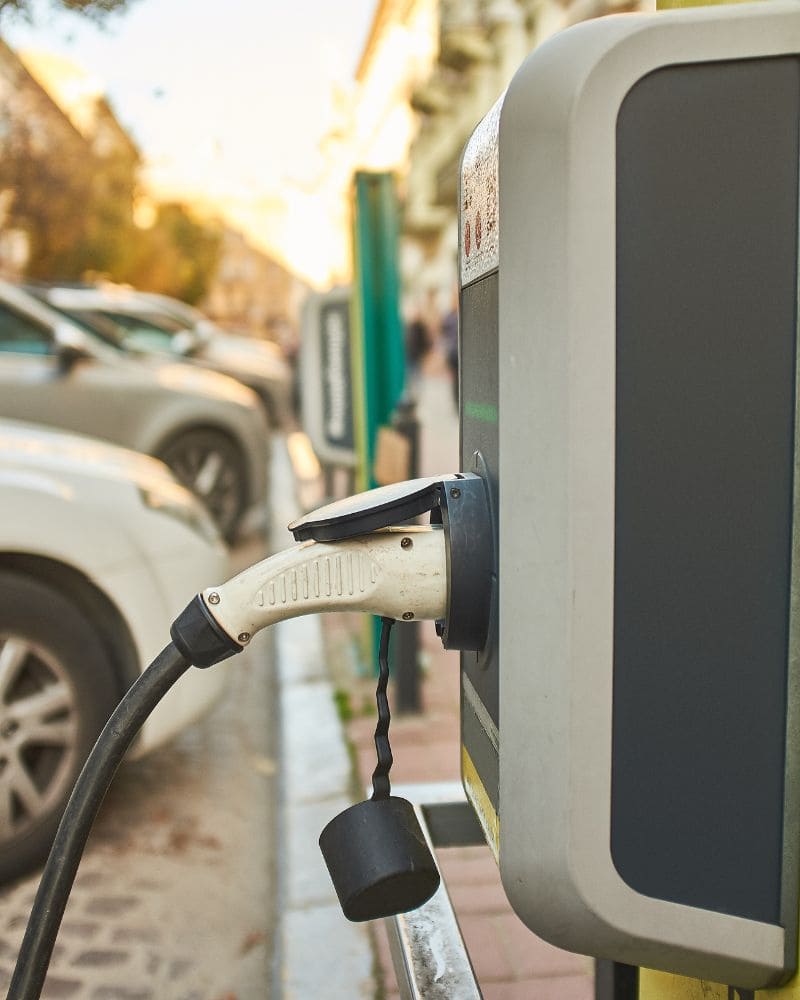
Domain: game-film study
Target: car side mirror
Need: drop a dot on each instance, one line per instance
(186, 342)
(204, 330)
(71, 347)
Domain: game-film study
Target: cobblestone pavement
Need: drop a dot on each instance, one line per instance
(174, 899)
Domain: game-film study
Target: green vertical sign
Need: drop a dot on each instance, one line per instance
(378, 347)
(379, 356)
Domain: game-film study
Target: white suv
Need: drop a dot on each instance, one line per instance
(100, 548)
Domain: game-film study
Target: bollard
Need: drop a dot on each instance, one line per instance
(406, 658)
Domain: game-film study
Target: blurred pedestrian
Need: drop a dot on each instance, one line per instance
(418, 343)
(449, 337)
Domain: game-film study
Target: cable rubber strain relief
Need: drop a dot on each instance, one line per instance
(199, 638)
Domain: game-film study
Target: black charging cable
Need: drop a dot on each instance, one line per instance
(79, 815)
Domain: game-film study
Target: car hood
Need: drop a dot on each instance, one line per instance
(181, 377)
(39, 449)
(248, 358)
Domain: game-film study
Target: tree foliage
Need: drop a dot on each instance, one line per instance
(75, 207)
(73, 196)
(178, 255)
(49, 194)
(96, 9)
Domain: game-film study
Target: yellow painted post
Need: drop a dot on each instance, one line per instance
(664, 986)
(673, 4)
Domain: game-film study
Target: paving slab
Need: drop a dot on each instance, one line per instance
(313, 935)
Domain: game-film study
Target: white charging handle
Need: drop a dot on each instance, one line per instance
(397, 572)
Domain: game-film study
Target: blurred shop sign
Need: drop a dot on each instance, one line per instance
(327, 383)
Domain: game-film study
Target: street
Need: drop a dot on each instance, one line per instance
(175, 898)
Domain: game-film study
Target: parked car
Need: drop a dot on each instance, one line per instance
(194, 319)
(100, 548)
(139, 321)
(208, 428)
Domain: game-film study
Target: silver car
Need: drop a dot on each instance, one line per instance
(209, 429)
(140, 321)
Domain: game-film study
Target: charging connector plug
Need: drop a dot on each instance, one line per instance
(396, 572)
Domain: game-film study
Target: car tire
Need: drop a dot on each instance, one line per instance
(210, 464)
(57, 689)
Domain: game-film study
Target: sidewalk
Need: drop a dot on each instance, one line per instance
(318, 952)
(510, 962)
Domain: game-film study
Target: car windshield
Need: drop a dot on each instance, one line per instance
(183, 311)
(151, 332)
(95, 324)
(131, 332)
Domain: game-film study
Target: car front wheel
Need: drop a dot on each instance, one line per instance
(57, 690)
(210, 464)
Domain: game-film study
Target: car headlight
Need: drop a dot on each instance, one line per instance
(176, 502)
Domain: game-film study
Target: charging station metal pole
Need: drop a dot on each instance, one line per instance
(378, 348)
(406, 660)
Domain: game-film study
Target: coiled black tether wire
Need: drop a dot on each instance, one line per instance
(381, 789)
(375, 851)
(87, 796)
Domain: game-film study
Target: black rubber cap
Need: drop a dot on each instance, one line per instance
(198, 637)
(378, 859)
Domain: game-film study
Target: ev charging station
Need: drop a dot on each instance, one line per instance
(629, 276)
(618, 558)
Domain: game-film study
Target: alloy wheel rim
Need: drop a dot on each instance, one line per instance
(207, 473)
(39, 724)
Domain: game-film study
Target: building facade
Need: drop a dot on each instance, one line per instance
(430, 70)
(481, 44)
(31, 120)
(68, 171)
(252, 293)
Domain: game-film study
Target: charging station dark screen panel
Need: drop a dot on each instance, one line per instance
(478, 404)
(707, 177)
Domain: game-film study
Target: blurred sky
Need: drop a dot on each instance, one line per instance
(221, 96)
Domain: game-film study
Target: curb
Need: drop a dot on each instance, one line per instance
(319, 953)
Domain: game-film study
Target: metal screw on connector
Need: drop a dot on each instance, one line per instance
(243, 637)
(455, 493)
(213, 597)
(405, 543)
(407, 616)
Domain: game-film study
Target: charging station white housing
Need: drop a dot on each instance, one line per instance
(557, 214)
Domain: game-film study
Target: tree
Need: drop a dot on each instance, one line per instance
(75, 207)
(91, 8)
(50, 193)
(111, 238)
(177, 256)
